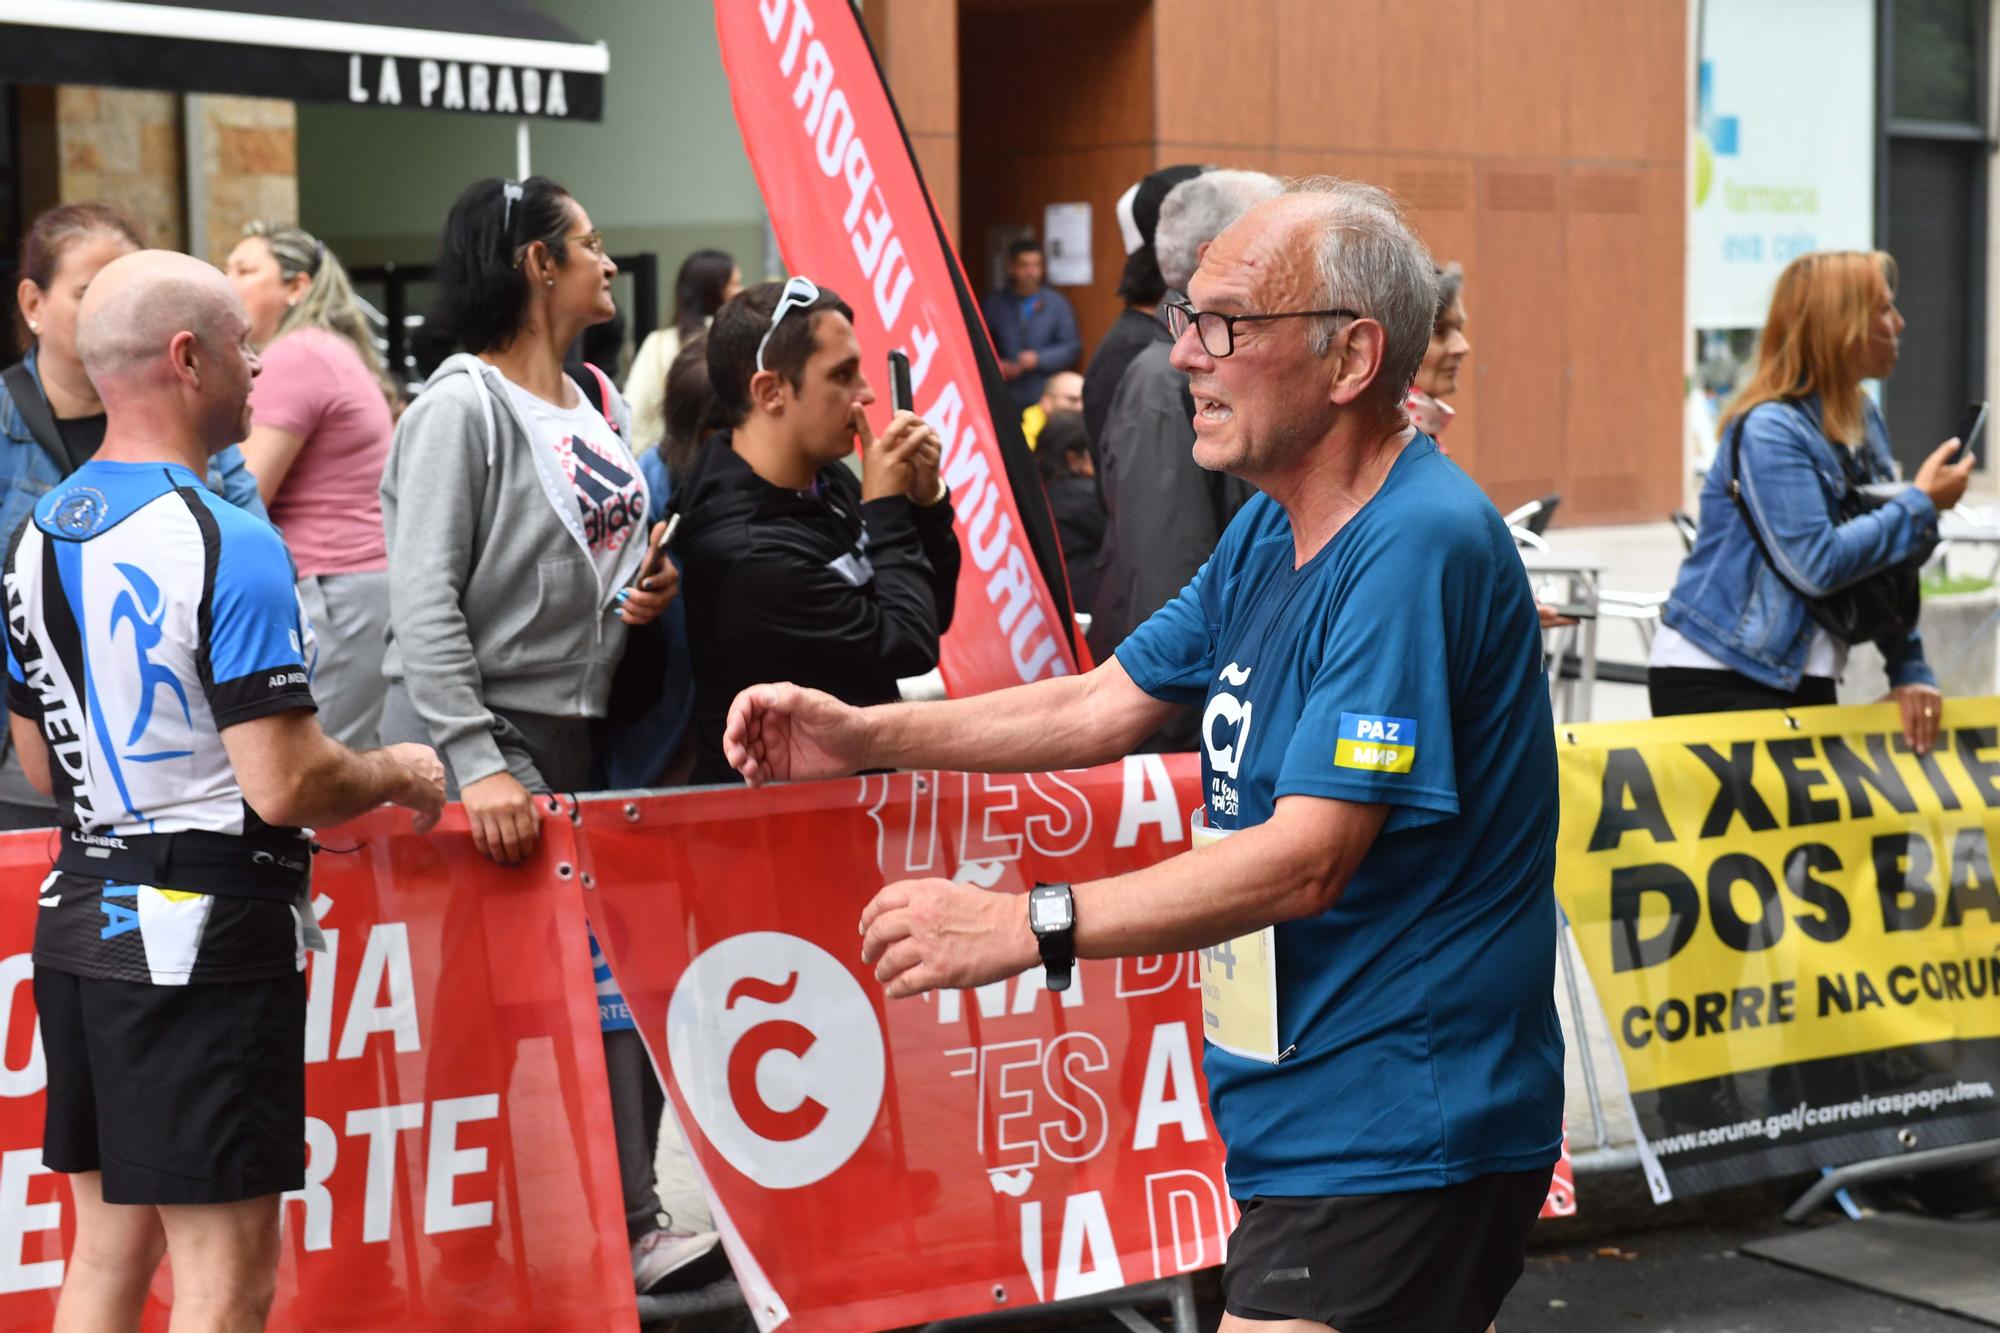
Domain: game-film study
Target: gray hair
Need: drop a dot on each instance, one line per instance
(1196, 211)
(1369, 260)
(1451, 281)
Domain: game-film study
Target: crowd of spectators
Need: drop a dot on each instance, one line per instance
(562, 586)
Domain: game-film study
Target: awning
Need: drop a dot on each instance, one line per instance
(479, 57)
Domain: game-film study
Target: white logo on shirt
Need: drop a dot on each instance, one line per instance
(1225, 750)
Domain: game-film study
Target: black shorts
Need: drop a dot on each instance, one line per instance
(1429, 1261)
(178, 1094)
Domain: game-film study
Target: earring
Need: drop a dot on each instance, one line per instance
(293, 302)
(548, 282)
(33, 327)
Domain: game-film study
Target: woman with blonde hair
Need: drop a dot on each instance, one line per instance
(1786, 525)
(321, 421)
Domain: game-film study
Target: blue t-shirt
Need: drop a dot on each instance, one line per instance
(1403, 665)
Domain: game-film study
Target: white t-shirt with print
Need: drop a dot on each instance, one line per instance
(604, 477)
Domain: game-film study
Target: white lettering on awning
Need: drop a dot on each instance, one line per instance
(458, 86)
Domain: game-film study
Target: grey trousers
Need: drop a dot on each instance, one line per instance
(350, 615)
(549, 754)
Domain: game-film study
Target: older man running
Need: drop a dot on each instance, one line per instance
(1372, 890)
(159, 677)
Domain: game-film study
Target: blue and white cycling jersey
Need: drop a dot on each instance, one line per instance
(145, 614)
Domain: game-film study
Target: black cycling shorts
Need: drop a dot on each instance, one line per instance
(177, 1094)
(1427, 1261)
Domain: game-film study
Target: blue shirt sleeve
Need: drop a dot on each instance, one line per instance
(1377, 723)
(1171, 655)
(256, 646)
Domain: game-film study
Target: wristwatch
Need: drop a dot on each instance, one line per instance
(1052, 916)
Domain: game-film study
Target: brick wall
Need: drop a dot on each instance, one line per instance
(250, 157)
(128, 148)
(123, 148)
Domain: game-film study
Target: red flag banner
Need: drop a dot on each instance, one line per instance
(460, 1164)
(851, 212)
(972, 1150)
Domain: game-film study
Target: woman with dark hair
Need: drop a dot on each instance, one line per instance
(51, 420)
(320, 424)
(519, 555)
(1069, 477)
(707, 279)
(1739, 631)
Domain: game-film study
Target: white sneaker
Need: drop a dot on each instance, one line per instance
(659, 1254)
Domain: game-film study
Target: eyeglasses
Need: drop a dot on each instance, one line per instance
(592, 241)
(1217, 332)
(799, 294)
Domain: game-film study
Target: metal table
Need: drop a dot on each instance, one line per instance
(1579, 575)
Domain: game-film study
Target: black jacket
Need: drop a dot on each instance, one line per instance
(1130, 334)
(1079, 513)
(817, 588)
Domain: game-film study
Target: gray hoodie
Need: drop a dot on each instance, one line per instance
(493, 600)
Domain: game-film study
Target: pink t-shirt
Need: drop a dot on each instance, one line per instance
(315, 385)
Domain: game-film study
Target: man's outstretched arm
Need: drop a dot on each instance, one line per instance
(924, 934)
(780, 733)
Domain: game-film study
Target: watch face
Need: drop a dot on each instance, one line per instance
(1049, 911)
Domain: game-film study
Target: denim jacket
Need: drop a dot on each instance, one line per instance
(27, 470)
(1729, 603)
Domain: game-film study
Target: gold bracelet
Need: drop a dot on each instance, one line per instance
(944, 489)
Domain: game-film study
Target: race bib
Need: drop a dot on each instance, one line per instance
(1239, 981)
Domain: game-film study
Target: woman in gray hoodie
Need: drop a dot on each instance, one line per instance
(515, 515)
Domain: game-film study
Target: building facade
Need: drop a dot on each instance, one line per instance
(1620, 179)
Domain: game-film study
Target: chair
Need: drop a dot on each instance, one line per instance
(1534, 516)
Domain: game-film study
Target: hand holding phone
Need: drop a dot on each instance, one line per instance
(1970, 427)
(656, 550)
(654, 585)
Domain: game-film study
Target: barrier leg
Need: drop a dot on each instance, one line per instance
(1582, 1034)
(1177, 1292)
(1185, 1318)
(1888, 1168)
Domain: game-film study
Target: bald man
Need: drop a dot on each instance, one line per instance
(1063, 393)
(159, 680)
(1371, 881)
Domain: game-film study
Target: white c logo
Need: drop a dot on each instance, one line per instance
(1225, 758)
(779, 1055)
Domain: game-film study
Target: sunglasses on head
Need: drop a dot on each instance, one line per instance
(799, 294)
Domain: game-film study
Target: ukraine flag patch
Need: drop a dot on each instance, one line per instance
(1378, 744)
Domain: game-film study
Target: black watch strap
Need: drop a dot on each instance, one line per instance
(1058, 957)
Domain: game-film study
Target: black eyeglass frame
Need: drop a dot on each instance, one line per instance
(1188, 313)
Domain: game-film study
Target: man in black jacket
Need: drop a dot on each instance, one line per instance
(792, 569)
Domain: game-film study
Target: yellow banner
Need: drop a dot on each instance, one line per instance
(1757, 889)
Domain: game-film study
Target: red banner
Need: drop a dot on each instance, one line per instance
(971, 1150)
(461, 1170)
(851, 212)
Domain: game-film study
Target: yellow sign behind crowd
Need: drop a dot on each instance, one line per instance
(1758, 889)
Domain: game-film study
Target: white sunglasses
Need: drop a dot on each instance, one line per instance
(799, 294)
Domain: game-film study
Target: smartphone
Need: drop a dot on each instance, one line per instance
(1970, 427)
(1575, 610)
(656, 559)
(900, 397)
